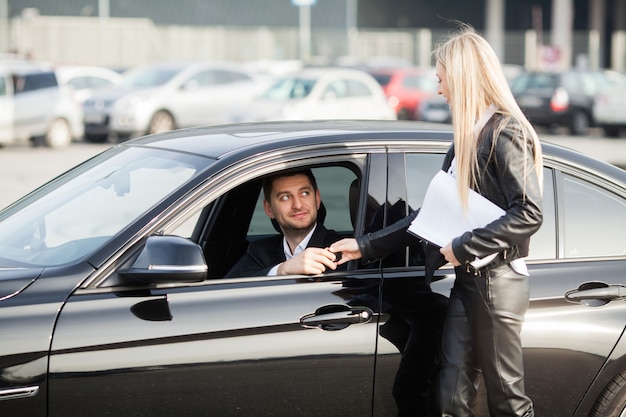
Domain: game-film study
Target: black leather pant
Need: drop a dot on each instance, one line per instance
(482, 334)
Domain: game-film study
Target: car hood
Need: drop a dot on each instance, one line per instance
(15, 280)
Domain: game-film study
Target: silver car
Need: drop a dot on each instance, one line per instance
(165, 96)
(33, 106)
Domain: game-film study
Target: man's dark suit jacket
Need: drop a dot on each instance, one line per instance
(263, 254)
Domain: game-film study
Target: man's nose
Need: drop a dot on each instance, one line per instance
(297, 202)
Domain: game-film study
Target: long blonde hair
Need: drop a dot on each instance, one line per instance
(475, 81)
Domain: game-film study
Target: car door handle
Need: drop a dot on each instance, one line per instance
(14, 393)
(336, 317)
(595, 294)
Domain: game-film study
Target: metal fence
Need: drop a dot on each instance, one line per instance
(125, 42)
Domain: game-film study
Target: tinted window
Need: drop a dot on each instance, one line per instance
(31, 82)
(593, 220)
(530, 81)
(420, 169)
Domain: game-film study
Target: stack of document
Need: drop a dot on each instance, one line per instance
(442, 217)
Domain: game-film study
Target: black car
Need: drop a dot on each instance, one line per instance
(555, 99)
(114, 301)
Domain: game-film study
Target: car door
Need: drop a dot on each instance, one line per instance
(35, 103)
(289, 345)
(6, 109)
(576, 314)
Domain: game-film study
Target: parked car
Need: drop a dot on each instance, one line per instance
(609, 107)
(434, 109)
(555, 99)
(113, 299)
(166, 96)
(33, 106)
(318, 93)
(406, 88)
(85, 80)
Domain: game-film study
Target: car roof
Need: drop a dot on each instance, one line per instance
(218, 141)
(238, 141)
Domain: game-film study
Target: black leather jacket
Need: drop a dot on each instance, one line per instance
(501, 180)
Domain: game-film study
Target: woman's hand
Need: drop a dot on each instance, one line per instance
(449, 254)
(349, 249)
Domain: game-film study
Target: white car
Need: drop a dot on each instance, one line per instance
(166, 96)
(609, 106)
(85, 80)
(319, 93)
(35, 107)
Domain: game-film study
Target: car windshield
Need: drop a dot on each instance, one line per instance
(150, 77)
(289, 89)
(79, 212)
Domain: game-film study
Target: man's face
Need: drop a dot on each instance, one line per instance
(293, 203)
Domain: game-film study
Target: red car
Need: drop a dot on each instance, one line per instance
(406, 87)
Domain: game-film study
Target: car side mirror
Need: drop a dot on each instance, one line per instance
(168, 259)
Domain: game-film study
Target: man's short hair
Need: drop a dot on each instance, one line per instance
(268, 181)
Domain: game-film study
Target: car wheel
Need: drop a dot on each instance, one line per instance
(612, 401)
(611, 131)
(579, 123)
(59, 134)
(404, 114)
(162, 121)
(97, 138)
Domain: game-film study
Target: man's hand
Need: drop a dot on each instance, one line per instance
(349, 249)
(311, 261)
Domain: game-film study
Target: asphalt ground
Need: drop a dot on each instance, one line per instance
(23, 167)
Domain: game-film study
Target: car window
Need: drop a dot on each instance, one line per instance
(420, 169)
(336, 89)
(289, 88)
(92, 205)
(531, 81)
(150, 77)
(3, 86)
(89, 81)
(593, 220)
(32, 82)
(358, 89)
(334, 185)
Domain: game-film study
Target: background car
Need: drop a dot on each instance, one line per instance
(318, 93)
(609, 107)
(434, 109)
(554, 99)
(33, 106)
(406, 88)
(84, 80)
(113, 294)
(165, 96)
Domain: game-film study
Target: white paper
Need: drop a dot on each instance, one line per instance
(442, 218)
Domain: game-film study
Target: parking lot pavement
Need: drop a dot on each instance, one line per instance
(24, 168)
(612, 151)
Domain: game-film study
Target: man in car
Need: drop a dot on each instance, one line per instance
(292, 200)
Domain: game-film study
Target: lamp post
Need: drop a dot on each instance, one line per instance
(304, 28)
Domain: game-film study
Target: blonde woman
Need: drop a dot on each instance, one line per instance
(495, 152)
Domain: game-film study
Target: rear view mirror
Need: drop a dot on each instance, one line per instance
(168, 259)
